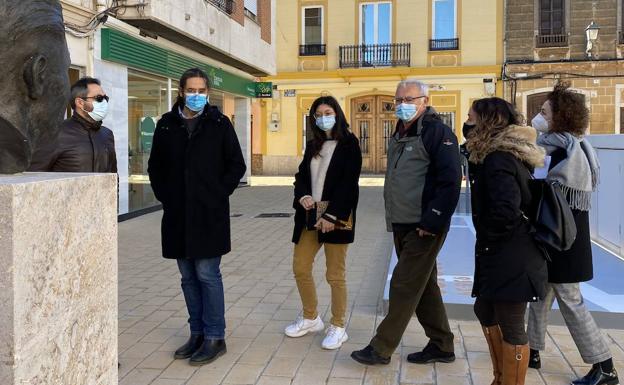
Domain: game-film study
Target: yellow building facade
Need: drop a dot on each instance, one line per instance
(357, 51)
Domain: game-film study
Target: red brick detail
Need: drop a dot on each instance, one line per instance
(264, 18)
(238, 12)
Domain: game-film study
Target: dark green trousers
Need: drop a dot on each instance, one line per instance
(414, 289)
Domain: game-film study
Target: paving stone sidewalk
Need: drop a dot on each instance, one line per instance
(261, 298)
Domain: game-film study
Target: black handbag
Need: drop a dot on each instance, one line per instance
(552, 218)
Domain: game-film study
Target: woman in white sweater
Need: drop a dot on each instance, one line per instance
(326, 197)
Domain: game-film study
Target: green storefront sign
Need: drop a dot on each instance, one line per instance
(122, 48)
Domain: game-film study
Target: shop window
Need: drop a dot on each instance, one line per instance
(149, 97)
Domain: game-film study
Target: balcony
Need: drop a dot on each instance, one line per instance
(443, 44)
(226, 6)
(375, 55)
(312, 50)
(550, 41)
(155, 19)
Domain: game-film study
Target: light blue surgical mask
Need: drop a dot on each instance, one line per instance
(196, 102)
(326, 123)
(100, 110)
(406, 111)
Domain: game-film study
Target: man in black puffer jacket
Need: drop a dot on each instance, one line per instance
(83, 144)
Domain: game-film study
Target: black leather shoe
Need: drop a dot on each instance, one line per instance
(535, 361)
(208, 352)
(431, 353)
(368, 356)
(186, 351)
(597, 377)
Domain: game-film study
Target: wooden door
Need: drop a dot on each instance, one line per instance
(386, 124)
(373, 122)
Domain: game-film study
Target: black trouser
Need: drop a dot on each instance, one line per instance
(414, 289)
(509, 316)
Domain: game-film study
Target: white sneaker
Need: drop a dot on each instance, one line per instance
(335, 337)
(303, 326)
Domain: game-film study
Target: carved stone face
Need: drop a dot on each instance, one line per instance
(34, 63)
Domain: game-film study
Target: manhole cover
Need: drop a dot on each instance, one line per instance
(274, 215)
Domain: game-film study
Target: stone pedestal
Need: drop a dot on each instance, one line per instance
(58, 279)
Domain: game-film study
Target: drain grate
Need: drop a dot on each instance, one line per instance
(236, 215)
(274, 215)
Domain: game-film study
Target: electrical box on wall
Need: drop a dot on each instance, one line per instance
(274, 124)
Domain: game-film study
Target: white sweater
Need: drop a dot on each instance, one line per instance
(318, 168)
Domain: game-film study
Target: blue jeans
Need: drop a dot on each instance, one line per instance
(203, 292)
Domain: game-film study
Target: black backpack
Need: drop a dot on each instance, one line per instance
(551, 217)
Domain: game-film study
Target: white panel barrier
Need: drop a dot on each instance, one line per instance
(607, 214)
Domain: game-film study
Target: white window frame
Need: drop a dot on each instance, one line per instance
(303, 9)
(376, 21)
(252, 11)
(433, 19)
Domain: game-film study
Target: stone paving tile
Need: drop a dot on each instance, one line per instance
(261, 299)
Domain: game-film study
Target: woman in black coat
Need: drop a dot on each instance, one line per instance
(575, 167)
(195, 165)
(510, 269)
(328, 176)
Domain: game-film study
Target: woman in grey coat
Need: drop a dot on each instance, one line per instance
(574, 166)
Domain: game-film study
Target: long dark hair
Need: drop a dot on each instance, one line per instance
(493, 115)
(340, 131)
(188, 74)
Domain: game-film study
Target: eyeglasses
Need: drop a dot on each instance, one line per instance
(98, 98)
(407, 99)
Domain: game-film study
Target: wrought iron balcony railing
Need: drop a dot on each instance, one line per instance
(375, 55)
(443, 44)
(546, 41)
(312, 50)
(226, 6)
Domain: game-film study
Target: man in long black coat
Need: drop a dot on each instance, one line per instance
(196, 163)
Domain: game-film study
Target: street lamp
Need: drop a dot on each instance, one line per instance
(591, 33)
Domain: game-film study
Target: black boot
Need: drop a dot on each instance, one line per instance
(368, 356)
(597, 376)
(431, 353)
(186, 351)
(535, 361)
(208, 352)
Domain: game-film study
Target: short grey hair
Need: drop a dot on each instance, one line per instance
(424, 88)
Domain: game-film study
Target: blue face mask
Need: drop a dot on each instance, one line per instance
(326, 123)
(196, 102)
(406, 111)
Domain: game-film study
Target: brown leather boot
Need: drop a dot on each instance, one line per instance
(494, 339)
(515, 363)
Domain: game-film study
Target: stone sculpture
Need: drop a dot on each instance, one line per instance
(34, 83)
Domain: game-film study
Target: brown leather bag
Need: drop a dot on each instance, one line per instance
(318, 212)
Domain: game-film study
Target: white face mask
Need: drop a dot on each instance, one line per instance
(540, 123)
(100, 110)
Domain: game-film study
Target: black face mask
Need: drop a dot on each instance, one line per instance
(467, 129)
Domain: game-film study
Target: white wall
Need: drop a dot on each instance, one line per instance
(242, 126)
(607, 214)
(114, 78)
